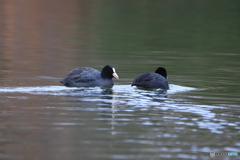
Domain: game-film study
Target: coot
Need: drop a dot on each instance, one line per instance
(86, 77)
(152, 80)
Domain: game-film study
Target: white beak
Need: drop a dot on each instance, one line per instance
(115, 74)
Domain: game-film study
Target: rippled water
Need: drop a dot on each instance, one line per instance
(41, 42)
(120, 122)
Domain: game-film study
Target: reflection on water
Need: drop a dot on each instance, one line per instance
(124, 120)
(197, 42)
(124, 95)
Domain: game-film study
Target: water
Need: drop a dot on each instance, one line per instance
(197, 42)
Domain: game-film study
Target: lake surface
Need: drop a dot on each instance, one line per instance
(198, 42)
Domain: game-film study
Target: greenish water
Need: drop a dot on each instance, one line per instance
(198, 42)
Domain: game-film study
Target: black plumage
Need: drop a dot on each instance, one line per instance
(86, 77)
(152, 80)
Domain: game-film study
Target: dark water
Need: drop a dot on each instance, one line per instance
(198, 42)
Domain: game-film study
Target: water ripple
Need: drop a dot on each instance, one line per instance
(129, 99)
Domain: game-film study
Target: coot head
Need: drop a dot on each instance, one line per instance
(109, 72)
(162, 71)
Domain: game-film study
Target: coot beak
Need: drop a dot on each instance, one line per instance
(115, 74)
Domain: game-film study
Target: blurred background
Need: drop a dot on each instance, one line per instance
(200, 39)
(198, 42)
